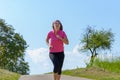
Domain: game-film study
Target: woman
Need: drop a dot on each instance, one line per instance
(56, 40)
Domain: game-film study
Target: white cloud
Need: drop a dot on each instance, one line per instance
(75, 58)
(107, 56)
(38, 55)
(76, 49)
(40, 62)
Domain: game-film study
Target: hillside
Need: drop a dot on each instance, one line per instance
(6, 75)
(93, 73)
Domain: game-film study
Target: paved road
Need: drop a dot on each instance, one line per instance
(49, 77)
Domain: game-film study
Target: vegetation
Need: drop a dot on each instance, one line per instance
(94, 40)
(112, 65)
(98, 69)
(6, 75)
(101, 70)
(12, 48)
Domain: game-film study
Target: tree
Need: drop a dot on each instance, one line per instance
(12, 48)
(94, 40)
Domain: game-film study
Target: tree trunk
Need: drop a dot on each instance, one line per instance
(93, 56)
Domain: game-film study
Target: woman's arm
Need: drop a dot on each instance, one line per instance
(65, 40)
(47, 41)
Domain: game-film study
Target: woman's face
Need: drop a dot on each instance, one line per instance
(56, 26)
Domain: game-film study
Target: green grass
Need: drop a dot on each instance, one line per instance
(112, 65)
(6, 75)
(101, 70)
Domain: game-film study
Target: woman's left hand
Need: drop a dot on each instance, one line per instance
(65, 40)
(59, 37)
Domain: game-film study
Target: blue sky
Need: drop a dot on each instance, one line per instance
(33, 19)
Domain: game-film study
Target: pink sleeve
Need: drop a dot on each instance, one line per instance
(48, 36)
(64, 35)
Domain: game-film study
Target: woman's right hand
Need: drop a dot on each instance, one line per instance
(50, 46)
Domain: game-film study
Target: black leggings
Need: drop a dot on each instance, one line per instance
(57, 60)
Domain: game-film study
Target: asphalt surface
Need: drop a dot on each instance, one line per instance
(49, 77)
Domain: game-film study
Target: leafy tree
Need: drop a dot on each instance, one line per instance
(12, 48)
(94, 40)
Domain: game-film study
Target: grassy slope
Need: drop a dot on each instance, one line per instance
(93, 73)
(102, 70)
(6, 75)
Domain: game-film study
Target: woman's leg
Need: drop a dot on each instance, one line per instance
(55, 76)
(57, 60)
(60, 60)
(54, 60)
(58, 77)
